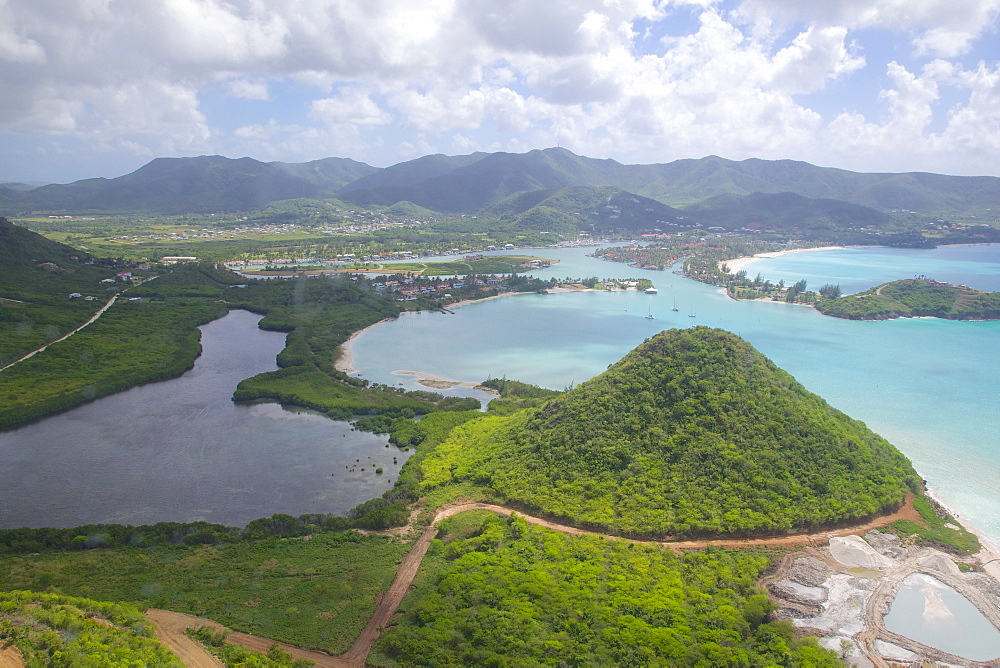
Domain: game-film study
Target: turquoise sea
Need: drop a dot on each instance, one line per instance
(929, 386)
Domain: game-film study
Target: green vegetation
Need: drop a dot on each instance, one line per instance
(503, 592)
(692, 433)
(316, 592)
(515, 396)
(494, 264)
(938, 528)
(37, 278)
(132, 343)
(54, 630)
(915, 297)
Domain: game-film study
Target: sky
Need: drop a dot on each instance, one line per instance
(100, 87)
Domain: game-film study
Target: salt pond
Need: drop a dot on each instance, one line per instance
(937, 615)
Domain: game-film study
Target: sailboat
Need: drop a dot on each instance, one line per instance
(692, 314)
(675, 306)
(649, 314)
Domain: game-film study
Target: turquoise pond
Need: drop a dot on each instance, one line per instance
(937, 615)
(929, 386)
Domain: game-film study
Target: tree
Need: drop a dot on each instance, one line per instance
(830, 291)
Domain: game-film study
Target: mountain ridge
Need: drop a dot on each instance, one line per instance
(471, 183)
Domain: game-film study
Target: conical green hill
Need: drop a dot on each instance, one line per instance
(692, 433)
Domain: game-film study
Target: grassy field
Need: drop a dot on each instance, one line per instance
(317, 592)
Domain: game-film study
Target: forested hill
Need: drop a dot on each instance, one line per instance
(920, 297)
(692, 433)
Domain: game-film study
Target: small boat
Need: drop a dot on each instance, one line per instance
(692, 315)
(651, 291)
(650, 317)
(675, 306)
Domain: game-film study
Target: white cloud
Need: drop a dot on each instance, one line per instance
(943, 28)
(248, 90)
(813, 57)
(351, 107)
(384, 77)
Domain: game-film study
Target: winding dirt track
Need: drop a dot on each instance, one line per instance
(170, 631)
(94, 317)
(10, 656)
(906, 512)
(172, 624)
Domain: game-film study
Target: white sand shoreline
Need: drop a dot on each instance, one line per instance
(989, 550)
(737, 264)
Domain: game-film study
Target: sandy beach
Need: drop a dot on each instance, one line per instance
(739, 263)
(345, 362)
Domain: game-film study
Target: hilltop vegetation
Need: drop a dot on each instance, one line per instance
(692, 433)
(915, 297)
(54, 630)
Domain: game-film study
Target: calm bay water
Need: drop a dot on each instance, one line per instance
(929, 386)
(181, 450)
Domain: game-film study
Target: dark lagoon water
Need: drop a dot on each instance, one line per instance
(181, 450)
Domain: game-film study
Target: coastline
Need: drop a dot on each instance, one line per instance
(988, 550)
(345, 361)
(737, 264)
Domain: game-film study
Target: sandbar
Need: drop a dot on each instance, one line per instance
(439, 383)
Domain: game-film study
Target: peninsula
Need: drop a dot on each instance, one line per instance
(915, 297)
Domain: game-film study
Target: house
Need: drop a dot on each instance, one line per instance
(74, 295)
(135, 299)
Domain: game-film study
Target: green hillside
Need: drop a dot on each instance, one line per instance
(915, 297)
(692, 433)
(53, 630)
(36, 278)
(474, 182)
(787, 211)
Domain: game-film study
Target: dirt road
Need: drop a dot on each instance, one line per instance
(907, 512)
(390, 601)
(65, 336)
(170, 631)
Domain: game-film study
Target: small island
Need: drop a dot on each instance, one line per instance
(915, 297)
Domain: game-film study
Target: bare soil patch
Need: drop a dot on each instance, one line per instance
(10, 656)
